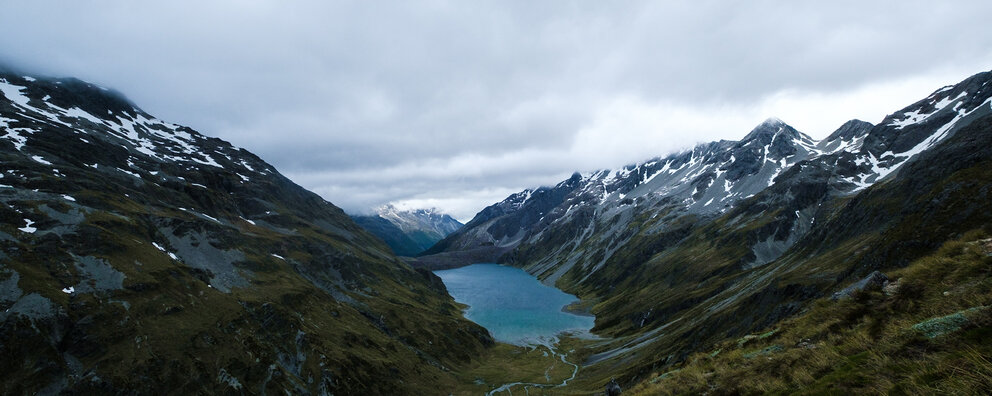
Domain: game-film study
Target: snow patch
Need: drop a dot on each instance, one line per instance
(915, 117)
(13, 134)
(40, 160)
(209, 161)
(28, 228)
(130, 173)
(210, 217)
(13, 93)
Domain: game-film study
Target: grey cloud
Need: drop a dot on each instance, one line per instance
(454, 102)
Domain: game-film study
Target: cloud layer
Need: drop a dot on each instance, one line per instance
(457, 104)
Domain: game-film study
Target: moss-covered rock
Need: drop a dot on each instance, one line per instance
(936, 327)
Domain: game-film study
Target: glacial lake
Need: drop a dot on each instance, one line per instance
(514, 306)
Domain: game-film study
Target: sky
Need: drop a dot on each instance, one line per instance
(457, 104)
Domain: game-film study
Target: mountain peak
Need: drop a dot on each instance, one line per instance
(408, 231)
(768, 128)
(384, 209)
(773, 121)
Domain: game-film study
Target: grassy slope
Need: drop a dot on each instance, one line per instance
(339, 314)
(865, 344)
(936, 198)
(178, 332)
(891, 225)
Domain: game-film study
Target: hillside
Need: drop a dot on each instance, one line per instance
(680, 253)
(925, 330)
(140, 256)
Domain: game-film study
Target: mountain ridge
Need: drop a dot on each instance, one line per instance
(127, 243)
(733, 236)
(761, 145)
(408, 232)
(131, 247)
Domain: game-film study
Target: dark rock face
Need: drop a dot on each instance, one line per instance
(874, 281)
(904, 129)
(850, 130)
(497, 228)
(140, 256)
(613, 388)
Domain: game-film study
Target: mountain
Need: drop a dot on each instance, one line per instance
(497, 229)
(408, 232)
(680, 253)
(140, 256)
(707, 180)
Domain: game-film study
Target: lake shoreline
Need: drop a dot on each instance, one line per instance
(513, 305)
(580, 308)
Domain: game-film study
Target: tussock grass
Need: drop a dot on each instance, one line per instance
(865, 344)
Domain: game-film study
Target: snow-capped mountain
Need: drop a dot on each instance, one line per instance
(428, 220)
(408, 232)
(131, 246)
(706, 180)
(712, 178)
(731, 236)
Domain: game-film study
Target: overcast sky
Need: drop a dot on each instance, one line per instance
(458, 104)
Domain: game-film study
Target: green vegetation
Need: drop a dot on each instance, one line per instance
(169, 327)
(929, 332)
(697, 277)
(155, 276)
(507, 364)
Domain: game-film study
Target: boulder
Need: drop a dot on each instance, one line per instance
(874, 281)
(613, 388)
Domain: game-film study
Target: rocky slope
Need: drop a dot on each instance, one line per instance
(680, 252)
(408, 232)
(138, 255)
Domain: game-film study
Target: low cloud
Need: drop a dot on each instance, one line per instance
(456, 105)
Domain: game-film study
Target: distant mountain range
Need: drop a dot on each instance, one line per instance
(139, 256)
(680, 252)
(408, 232)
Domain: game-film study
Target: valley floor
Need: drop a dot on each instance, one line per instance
(929, 331)
(508, 369)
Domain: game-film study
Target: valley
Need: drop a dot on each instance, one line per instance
(679, 254)
(137, 255)
(528, 319)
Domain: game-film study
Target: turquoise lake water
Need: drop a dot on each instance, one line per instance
(513, 305)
